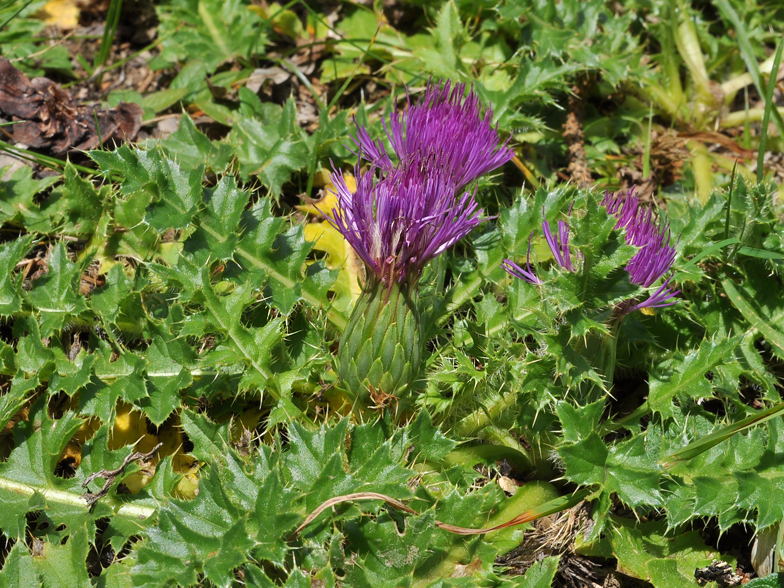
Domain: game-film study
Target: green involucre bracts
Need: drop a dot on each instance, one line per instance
(381, 349)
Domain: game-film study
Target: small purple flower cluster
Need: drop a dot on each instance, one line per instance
(403, 215)
(649, 264)
(656, 254)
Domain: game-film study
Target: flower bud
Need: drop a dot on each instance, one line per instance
(380, 354)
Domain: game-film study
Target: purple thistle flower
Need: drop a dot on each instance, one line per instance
(643, 230)
(524, 274)
(442, 131)
(404, 215)
(400, 221)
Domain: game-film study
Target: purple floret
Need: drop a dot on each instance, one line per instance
(524, 274)
(652, 261)
(559, 244)
(660, 298)
(445, 131)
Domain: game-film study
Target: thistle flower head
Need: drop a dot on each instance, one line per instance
(401, 220)
(402, 216)
(446, 129)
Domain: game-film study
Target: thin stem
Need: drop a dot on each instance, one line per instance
(71, 499)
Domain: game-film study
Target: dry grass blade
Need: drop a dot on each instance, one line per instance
(711, 137)
(548, 508)
(348, 498)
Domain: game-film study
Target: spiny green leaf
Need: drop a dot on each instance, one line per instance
(689, 377)
(644, 551)
(71, 374)
(39, 443)
(624, 468)
(62, 565)
(219, 227)
(241, 345)
(208, 32)
(173, 194)
(579, 421)
(19, 568)
(431, 442)
(10, 284)
(76, 206)
(266, 147)
(190, 148)
(56, 295)
(17, 205)
(207, 534)
(539, 575)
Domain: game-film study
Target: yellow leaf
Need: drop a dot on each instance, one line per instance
(188, 487)
(329, 201)
(60, 13)
(259, 10)
(329, 240)
(340, 255)
(326, 238)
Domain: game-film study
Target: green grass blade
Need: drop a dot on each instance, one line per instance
(15, 14)
(760, 253)
(646, 156)
(695, 448)
(44, 160)
(769, 107)
(704, 253)
(112, 20)
(729, 201)
(747, 53)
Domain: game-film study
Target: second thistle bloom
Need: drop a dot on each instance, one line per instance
(446, 130)
(657, 254)
(642, 229)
